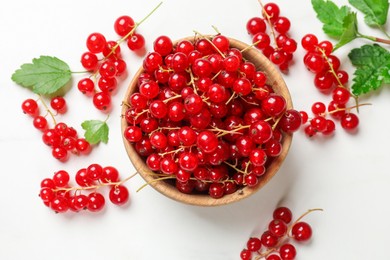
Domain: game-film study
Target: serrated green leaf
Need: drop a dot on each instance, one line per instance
(45, 75)
(331, 16)
(372, 68)
(350, 30)
(95, 131)
(375, 11)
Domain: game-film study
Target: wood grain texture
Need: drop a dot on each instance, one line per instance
(274, 78)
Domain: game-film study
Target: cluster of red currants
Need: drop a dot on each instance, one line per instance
(281, 52)
(329, 79)
(59, 196)
(62, 138)
(275, 242)
(103, 59)
(205, 117)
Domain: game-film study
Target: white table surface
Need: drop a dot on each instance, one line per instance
(346, 175)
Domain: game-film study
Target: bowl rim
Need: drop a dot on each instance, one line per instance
(169, 190)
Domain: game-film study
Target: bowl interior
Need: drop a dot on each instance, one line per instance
(275, 79)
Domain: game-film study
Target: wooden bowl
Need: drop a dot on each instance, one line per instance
(275, 79)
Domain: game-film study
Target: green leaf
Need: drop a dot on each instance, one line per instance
(95, 131)
(375, 11)
(350, 30)
(45, 75)
(372, 68)
(331, 16)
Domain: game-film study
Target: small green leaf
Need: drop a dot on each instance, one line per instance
(45, 75)
(95, 131)
(331, 16)
(375, 11)
(350, 30)
(372, 68)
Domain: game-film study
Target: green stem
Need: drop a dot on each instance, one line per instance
(372, 38)
(384, 32)
(133, 30)
(47, 109)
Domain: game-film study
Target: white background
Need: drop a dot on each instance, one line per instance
(346, 175)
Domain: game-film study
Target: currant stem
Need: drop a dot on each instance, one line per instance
(234, 167)
(269, 23)
(156, 180)
(349, 108)
(207, 39)
(337, 78)
(373, 38)
(301, 217)
(384, 31)
(101, 184)
(332, 69)
(124, 38)
(216, 29)
(223, 132)
(192, 81)
(47, 109)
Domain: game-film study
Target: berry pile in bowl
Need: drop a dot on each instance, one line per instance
(207, 120)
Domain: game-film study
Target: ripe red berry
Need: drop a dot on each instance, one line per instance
(119, 195)
(123, 25)
(301, 231)
(58, 104)
(30, 107)
(256, 25)
(96, 42)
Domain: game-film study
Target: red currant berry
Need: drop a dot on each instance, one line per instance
(274, 105)
(216, 190)
(271, 11)
(94, 171)
(136, 42)
(96, 42)
(282, 25)
(283, 213)
(61, 178)
(163, 45)
(82, 178)
(40, 123)
(301, 231)
(253, 244)
(349, 121)
(86, 86)
(256, 25)
(309, 42)
(109, 175)
(268, 239)
(96, 202)
(341, 95)
(277, 227)
(119, 195)
(83, 146)
(108, 69)
(287, 252)
(318, 108)
(261, 40)
(30, 107)
(123, 25)
(60, 153)
(58, 104)
(89, 61)
(330, 127)
(290, 121)
(59, 204)
(246, 254)
(314, 62)
(102, 101)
